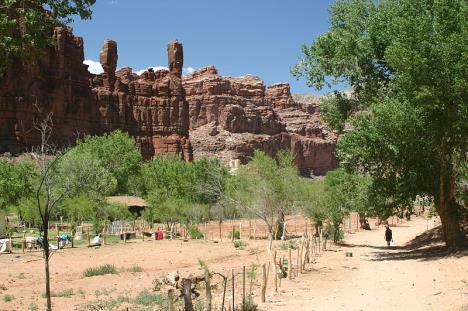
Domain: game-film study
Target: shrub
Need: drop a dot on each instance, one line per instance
(239, 244)
(236, 235)
(290, 244)
(8, 298)
(146, 298)
(33, 307)
(67, 293)
(132, 269)
(101, 270)
(195, 233)
(248, 305)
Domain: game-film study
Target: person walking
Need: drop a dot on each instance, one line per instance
(388, 235)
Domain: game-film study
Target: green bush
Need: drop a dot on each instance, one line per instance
(195, 233)
(67, 293)
(147, 298)
(239, 244)
(248, 305)
(101, 270)
(236, 235)
(8, 298)
(132, 269)
(290, 244)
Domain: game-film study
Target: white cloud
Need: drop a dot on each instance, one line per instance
(155, 68)
(94, 67)
(187, 71)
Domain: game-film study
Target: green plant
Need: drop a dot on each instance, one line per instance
(110, 304)
(194, 232)
(248, 305)
(236, 235)
(147, 298)
(21, 276)
(239, 244)
(101, 270)
(289, 244)
(132, 269)
(8, 298)
(33, 307)
(104, 291)
(67, 293)
(157, 284)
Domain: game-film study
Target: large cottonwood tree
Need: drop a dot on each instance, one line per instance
(407, 63)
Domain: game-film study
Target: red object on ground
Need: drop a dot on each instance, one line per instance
(160, 235)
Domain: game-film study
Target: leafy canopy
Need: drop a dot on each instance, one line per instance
(407, 63)
(25, 26)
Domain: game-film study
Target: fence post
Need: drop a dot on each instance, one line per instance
(187, 291)
(290, 265)
(170, 296)
(276, 271)
(243, 287)
(300, 257)
(233, 290)
(264, 283)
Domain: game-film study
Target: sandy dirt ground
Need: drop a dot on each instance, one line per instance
(375, 278)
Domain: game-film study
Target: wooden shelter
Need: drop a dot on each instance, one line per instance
(134, 204)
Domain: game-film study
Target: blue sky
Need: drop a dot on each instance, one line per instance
(258, 37)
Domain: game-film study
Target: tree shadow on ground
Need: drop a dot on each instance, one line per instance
(427, 246)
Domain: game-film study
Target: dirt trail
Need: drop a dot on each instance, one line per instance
(375, 278)
(378, 278)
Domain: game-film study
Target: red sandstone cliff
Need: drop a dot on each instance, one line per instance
(227, 117)
(231, 117)
(151, 107)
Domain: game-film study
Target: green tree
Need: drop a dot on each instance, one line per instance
(313, 199)
(266, 188)
(16, 181)
(115, 152)
(407, 63)
(25, 26)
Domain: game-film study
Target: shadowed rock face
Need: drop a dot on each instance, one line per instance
(231, 117)
(151, 107)
(228, 117)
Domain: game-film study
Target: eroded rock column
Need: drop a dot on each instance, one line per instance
(175, 53)
(108, 59)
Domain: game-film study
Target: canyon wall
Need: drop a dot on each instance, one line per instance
(151, 107)
(226, 117)
(230, 117)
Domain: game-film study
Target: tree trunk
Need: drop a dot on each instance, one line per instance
(45, 244)
(279, 226)
(450, 224)
(446, 207)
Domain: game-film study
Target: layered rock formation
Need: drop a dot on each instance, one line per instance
(231, 117)
(151, 107)
(228, 117)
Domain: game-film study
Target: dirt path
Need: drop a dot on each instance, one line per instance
(377, 278)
